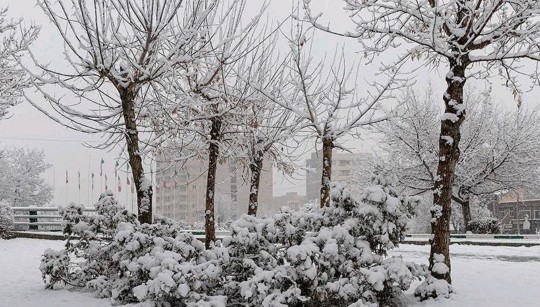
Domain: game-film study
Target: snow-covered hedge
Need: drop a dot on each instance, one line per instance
(488, 225)
(6, 220)
(335, 256)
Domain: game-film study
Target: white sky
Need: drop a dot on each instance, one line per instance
(64, 151)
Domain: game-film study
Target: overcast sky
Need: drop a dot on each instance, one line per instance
(63, 148)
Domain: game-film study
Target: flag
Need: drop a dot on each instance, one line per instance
(106, 188)
(116, 169)
(175, 182)
(127, 174)
(67, 181)
(92, 182)
(132, 189)
(101, 167)
(119, 184)
(79, 177)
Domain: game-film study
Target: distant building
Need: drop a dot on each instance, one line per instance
(181, 189)
(511, 209)
(344, 165)
(291, 200)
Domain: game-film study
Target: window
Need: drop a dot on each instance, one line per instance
(344, 162)
(344, 172)
(522, 213)
(537, 214)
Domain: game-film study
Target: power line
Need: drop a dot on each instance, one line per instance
(45, 140)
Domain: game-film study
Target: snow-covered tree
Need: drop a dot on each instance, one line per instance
(208, 107)
(14, 41)
(21, 183)
(268, 129)
(473, 38)
(115, 51)
(497, 148)
(6, 219)
(326, 99)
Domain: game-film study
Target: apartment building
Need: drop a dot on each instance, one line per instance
(181, 189)
(344, 166)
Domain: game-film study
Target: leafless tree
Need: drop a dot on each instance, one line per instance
(115, 50)
(472, 37)
(325, 97)
(210, 102)
(497, 148)
(14, 42)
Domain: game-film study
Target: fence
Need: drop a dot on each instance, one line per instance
(27, 218)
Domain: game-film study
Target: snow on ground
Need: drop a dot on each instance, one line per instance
(20, 278)
(483, 276)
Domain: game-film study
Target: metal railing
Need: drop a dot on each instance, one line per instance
(28, 218)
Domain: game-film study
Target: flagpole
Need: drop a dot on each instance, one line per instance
(88, 183)
(67, 187)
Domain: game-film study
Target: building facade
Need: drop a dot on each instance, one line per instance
(344, 166)
(513, 213)
(291, 199)
(181, 189)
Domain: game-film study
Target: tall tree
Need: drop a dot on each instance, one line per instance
(472, 37)
(14, 42)
(21, 184)
(326, 100)
(209, 103)
(115, 51)
(496, 148)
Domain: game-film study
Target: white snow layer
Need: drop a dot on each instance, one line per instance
(483, 276)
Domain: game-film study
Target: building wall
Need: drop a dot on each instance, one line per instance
(512, 215)
(291, 200)
(344, 166)
(181, 188)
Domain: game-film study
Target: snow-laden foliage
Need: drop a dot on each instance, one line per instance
(489, 225)
(334, 255)
(115, 256)
(21, 183)
(496, 147)
(14, 41)
(6, 219)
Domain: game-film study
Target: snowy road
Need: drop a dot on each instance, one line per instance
(483, 276)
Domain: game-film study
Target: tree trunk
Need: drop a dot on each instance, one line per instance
(448, 157)
(464, 202)
(213, 154)
(143, 186)
(466, 212)
(328, 145)
(254, 182)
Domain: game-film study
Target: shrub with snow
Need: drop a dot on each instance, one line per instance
(112, 254)
(6, 220)
(488, 225)
(334, 256)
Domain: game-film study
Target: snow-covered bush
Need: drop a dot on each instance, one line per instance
(489, 225)
(6, 220)
(334, 256)
(112, 254)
